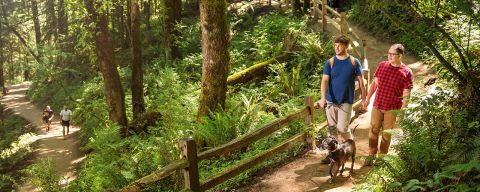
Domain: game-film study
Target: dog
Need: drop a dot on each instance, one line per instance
(339, 154)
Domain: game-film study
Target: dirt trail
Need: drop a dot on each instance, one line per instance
(306, 173)
(64, 151)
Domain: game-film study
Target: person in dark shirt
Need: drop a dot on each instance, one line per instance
(47, 117)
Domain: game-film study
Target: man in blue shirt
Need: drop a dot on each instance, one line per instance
(338, 90)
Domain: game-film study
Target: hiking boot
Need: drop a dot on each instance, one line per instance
(325, 161)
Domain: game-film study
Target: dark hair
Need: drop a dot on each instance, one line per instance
(343, 40)
(399, 48)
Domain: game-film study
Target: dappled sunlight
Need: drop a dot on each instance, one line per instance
(23, 143)
(64, 150)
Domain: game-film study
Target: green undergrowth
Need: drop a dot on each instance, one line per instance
(15, 144)
(438, 150)
(173, 90)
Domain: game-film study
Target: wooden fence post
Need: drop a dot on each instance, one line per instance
(315, 11)
(309, 120)
(190, 174)
(324, 13)
(343, 23)
(366, 68)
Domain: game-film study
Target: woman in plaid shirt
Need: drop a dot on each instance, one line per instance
(393, 81)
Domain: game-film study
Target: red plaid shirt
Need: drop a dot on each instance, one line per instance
(391, 83)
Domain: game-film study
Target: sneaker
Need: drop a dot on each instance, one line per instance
(325, 161)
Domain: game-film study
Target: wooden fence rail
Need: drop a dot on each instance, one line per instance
(189, 162)
(190, 158)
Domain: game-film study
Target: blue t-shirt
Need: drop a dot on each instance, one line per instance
(341, 87)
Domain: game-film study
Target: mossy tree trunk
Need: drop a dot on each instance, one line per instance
(215, 45)
(106, 57)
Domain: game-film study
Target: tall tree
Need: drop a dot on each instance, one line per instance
(127, 26)
(173, 10)
(106, 57)
(137, 65)
(51, 26)
(62, 19)
(147, 11)
(2, 59)
(5, 22)
(215, 44)
(36, 22)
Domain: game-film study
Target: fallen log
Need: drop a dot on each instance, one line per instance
(261, 69)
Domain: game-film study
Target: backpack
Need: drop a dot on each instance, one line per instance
(352, 60)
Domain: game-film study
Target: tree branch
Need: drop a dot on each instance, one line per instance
(437, 54)
(24, 42)
(445, 35)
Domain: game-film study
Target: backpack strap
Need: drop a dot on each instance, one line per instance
(331, 63)
(352, 60)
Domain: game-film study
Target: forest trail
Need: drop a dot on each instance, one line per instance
(306, 173)
(64, 151)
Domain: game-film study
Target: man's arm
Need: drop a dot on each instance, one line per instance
(372, 90)
(323, 92)
(362, 90)
(406, 97)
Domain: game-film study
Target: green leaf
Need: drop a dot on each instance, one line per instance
(128, 175)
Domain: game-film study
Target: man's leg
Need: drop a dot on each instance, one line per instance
(376, 125)
(331, 111)
(332, 117)
(344, 114)
(68, 127)
(389, 120)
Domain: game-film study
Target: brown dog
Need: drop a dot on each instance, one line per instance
(339, 154)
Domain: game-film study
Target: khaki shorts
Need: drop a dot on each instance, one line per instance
(338, 118)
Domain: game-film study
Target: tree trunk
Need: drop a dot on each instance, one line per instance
(215, 45)
(62, 19)
(2, 79)
(147, 11)
(297, 7)
(22, 40)
(51, 20)
(11, 72)
(119, 14)
(62, 31)
(173, 9)
(2, 59)
(127, 26)
(106, 58)
(306, 5)
(36, 23)
(137, 65)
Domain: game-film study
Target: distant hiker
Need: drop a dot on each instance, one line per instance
(65, 116)
(393, 82)
(47, 117)
(338, 90)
